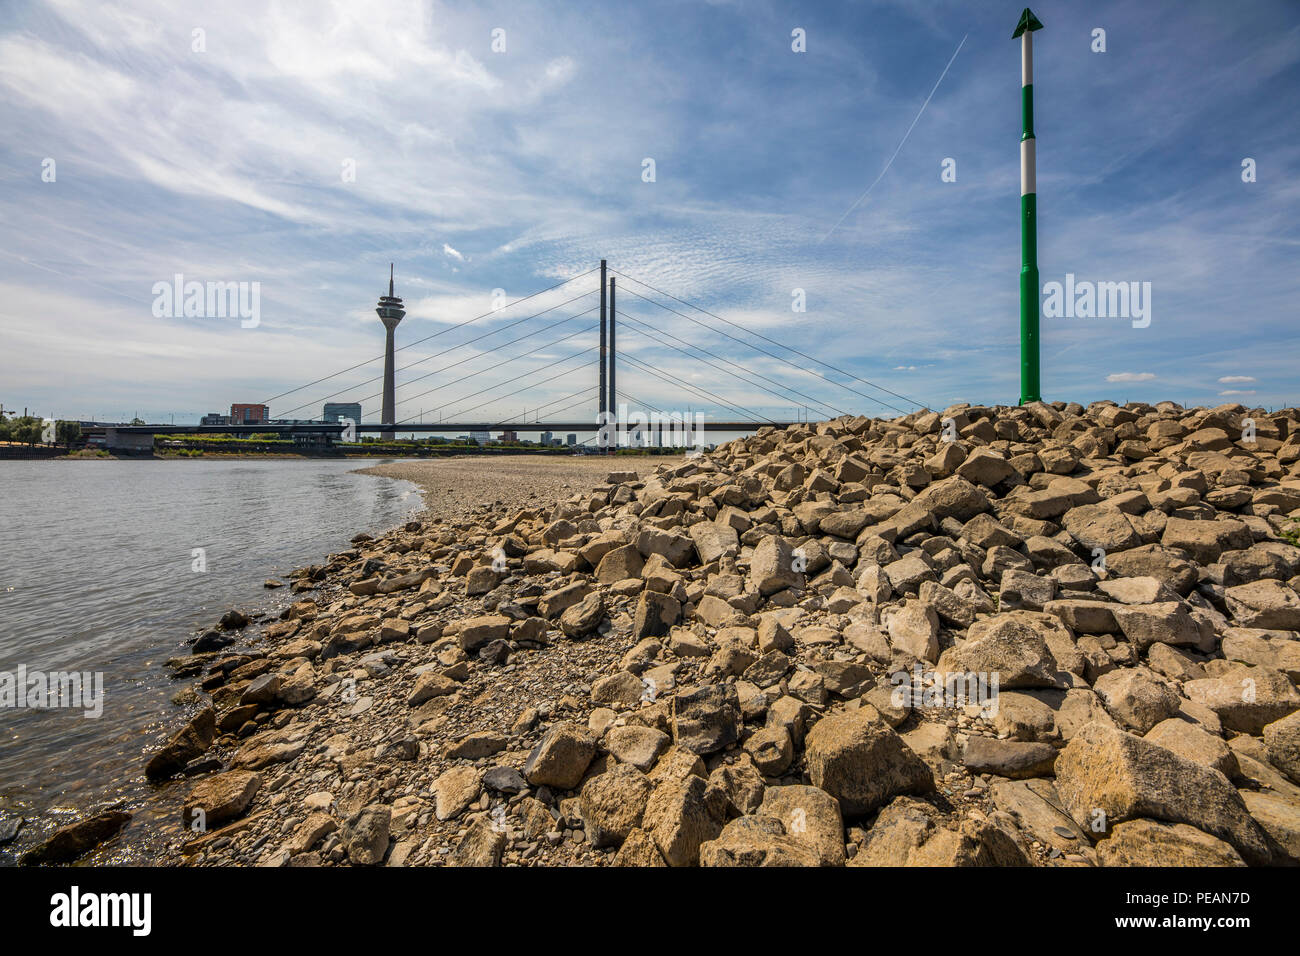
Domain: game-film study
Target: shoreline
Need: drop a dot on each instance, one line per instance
(676, 666)
(263, 611)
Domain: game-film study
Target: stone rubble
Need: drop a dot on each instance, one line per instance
(699, 662)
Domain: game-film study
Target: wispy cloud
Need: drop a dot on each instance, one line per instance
(307, 145)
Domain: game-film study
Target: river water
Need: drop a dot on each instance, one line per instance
(109, 567)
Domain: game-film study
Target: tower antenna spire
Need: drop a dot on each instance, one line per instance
(390, 312)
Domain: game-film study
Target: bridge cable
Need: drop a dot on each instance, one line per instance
(466, 378)
(665, 376)
(701, 348)
(776, 343)
(508, 382)
(433, 336)
(453, 348)
(497, 398)
(489, 352)
(871, 398)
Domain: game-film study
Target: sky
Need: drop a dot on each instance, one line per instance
(494, 150)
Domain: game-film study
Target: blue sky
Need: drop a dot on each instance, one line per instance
(479, 170)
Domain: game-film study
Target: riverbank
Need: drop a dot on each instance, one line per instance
(863, 642)
(111, 568)
(452, 491)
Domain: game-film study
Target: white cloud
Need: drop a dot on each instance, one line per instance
(1237, 391)
(452, 253)
(1130, 376)
(1236, 380)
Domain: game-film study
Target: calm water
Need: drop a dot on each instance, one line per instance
(97, 573)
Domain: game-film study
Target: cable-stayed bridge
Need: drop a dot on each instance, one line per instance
(606, 335)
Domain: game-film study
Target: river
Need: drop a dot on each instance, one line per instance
(110, 567)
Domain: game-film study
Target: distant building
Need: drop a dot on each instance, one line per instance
(481, 437)
(510, 436)
(573, 439)
(335, 411)
(249, 414)
(546, 438)
(214, 418)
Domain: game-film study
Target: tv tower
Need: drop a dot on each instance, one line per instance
(390, 312)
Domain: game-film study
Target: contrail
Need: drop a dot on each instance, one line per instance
(900, 143)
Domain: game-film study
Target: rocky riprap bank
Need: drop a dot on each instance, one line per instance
(695, 668)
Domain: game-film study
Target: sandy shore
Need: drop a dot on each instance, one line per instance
(454, 487)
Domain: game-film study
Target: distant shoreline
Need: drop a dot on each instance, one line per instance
(44, 453)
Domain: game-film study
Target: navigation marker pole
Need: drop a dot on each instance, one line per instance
(1029, 300)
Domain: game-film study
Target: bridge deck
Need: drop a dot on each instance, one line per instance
(434, 428)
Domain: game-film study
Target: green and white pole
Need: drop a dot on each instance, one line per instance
(1029, 289)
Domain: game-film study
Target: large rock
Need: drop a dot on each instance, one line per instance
(984, 466)
(675, 547)
(1195, 743)
(221, 798)
(638, 746)
(1246, 699)
(1282, 741)
(706, 719)
(583, 617)
(619, 564)
(1106, 776)
(619, 690)
(809, 816)
(1152, 843)
(756, 841)
(1279, 815)
(639, 850)
(678, 818)
(1084, 616)
(478, 631)
(953, 497)
(612, 804)
(1013, 759)
(561, 757)
(455, 789)
(1011, 645)
(429, 685)
(191, 741)
(481, 846)
(1137, 697)
(1205, 540)
(1264, 604)
(1101, 526)
(1168, 622)
(858, 759)
(771, 568)
(771, 749)
(909, 832)
(656, 613)
(713, 541)
(77, 838)
(914, 629)
(1036, 806)
(365, 835)
(1155, 562)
